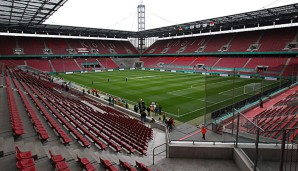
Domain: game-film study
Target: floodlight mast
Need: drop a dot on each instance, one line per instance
(141, 26)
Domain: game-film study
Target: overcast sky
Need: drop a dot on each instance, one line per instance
(122, 14)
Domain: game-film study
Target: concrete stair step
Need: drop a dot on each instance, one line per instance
(40, 150)
(95, 156)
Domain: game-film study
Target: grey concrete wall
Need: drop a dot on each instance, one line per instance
(242, 161)
(202, 151)
(270, 154)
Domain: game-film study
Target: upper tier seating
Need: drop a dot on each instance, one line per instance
(217, 41)
(58, 46)
(7, 45)
(37, 45)
(190, 45)
(269, 40)
(31, 45)
(241, 42)
(276, 39)
(128, 45)
(157, 47)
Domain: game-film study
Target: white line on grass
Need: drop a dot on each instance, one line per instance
(241, 87)
(229, 94)
(200, 108)
(186, 97)
(172, 92)
(136, 78)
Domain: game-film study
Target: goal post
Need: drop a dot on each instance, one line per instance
(252, 88)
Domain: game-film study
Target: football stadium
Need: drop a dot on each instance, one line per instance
(219, 93)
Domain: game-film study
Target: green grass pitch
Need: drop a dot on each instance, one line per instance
(181, 95)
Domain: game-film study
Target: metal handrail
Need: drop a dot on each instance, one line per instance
(249, 120)
(161, 151)
(197, 141)
(279, 130)
(168, 141)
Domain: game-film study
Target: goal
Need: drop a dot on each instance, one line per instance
(252, 88)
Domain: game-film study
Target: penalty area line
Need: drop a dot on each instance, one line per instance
(200, 108)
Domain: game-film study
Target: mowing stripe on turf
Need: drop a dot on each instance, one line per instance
(201, 108)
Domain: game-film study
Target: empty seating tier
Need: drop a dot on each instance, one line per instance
(16, 121)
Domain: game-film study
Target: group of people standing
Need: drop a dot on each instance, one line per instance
(145, 111)
(170, 123)
(141, 107)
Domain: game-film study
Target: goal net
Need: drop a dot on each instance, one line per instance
(252, 88)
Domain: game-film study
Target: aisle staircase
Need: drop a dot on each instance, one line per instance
(53, 69)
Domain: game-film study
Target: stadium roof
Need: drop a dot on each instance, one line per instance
(27, 16)
(27, 12)
(70, 31)
(264, 17)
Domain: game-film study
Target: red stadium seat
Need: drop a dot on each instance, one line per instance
(23, 155)
(56, 158)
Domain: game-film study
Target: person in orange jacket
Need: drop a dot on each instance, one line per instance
(203, 130)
